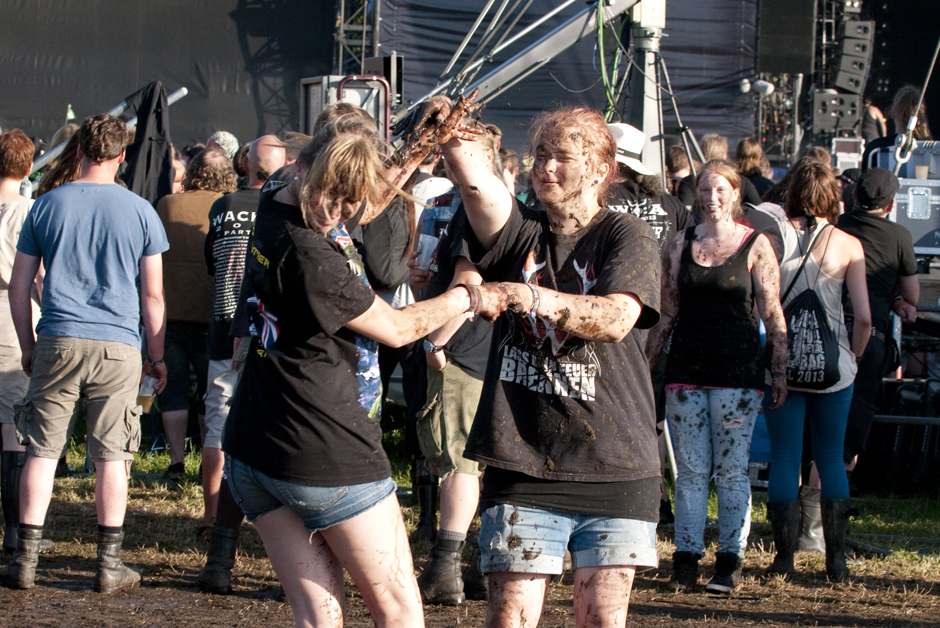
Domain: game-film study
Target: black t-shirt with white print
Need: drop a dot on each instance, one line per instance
(307, 406)
(664, 214)
(555, 406)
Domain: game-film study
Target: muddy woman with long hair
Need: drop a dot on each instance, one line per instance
(304, 457)
(716, 276)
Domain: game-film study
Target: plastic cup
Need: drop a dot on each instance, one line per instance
(922, 172)
(426, 246)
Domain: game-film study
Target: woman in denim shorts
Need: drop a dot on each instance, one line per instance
(304, 458)
(566, 421)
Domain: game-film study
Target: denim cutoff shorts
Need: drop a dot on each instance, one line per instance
(320, 507)
(528, 540)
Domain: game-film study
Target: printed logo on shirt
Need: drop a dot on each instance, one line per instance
(572, 368)
(263, 323)
(651, 213)
(367, 369)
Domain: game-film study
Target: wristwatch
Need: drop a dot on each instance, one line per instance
(430, 347)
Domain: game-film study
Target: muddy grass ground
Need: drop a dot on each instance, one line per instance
(902, 589)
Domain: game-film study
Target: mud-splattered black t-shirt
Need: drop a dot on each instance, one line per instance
(307, 406)
(555, 406)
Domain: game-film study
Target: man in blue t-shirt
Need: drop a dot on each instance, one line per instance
(95, 240)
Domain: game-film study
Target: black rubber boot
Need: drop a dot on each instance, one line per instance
(684, 571)
(475, 586)
(216, 576)
(11, 468)
(113, 574)
(727, 573)
(426, 529)
(785, 520)
(20, 572)
(441, 582)
(811, 535)
(835, 522)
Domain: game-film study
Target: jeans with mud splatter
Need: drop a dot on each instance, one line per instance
(827, 414)
(712, 429)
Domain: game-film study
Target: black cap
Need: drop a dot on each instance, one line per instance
(875, 189)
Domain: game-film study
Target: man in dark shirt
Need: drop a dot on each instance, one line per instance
(891, 274)
(230, 221)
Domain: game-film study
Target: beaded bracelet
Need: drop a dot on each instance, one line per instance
(476, 301)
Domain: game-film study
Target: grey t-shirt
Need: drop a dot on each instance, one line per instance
(91, 238)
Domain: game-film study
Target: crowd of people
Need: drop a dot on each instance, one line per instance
(548, 313)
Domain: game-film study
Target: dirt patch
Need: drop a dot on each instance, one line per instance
(899, 591)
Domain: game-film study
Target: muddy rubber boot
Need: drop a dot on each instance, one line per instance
(11, 469)
(475, 586)
(684, 571)
(427, 509)
(811, 535)
(727, 573)
(20, 572)
(441, 581)
(113, 574)
(216, 576)
(835, 521)
(785, 520)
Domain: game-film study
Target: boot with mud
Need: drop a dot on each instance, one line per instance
(475, 585)
(835, 521)
(785, 520)
(11, 469)
(441, 581)
(426, 488)
(684, 571)
(811, 534)
(113, 574)
(216, 576)
(20, 572)
(727, 573)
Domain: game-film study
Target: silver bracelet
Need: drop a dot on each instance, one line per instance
(536, 299)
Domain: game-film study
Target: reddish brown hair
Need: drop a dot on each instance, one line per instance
(813, 192)
(16, 154)
(589, 130)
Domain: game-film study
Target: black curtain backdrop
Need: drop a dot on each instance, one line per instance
(242, 61)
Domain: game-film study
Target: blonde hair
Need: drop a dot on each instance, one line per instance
(748, 156)
(347, 165)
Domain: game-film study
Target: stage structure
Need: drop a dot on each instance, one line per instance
(816, 54)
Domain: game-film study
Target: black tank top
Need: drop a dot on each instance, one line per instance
(716, 340)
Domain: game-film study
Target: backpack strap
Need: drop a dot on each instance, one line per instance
(809, 249)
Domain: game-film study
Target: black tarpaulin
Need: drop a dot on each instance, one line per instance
(148, 170)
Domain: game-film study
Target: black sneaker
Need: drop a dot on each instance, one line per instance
(175, 473)
(684, 571)
(727, 573)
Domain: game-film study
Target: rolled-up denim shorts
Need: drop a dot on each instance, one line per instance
(528, 540)
(320, 507)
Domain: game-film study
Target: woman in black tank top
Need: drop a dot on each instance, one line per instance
(713, 277)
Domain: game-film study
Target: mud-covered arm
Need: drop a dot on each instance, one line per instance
(668, 300)
(606, 318)
(485, 197)
(397, 328)
(765, 279)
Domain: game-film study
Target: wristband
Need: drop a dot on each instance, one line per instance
(475, 299)
(536, 299)
(779, 374)
(154, 363)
